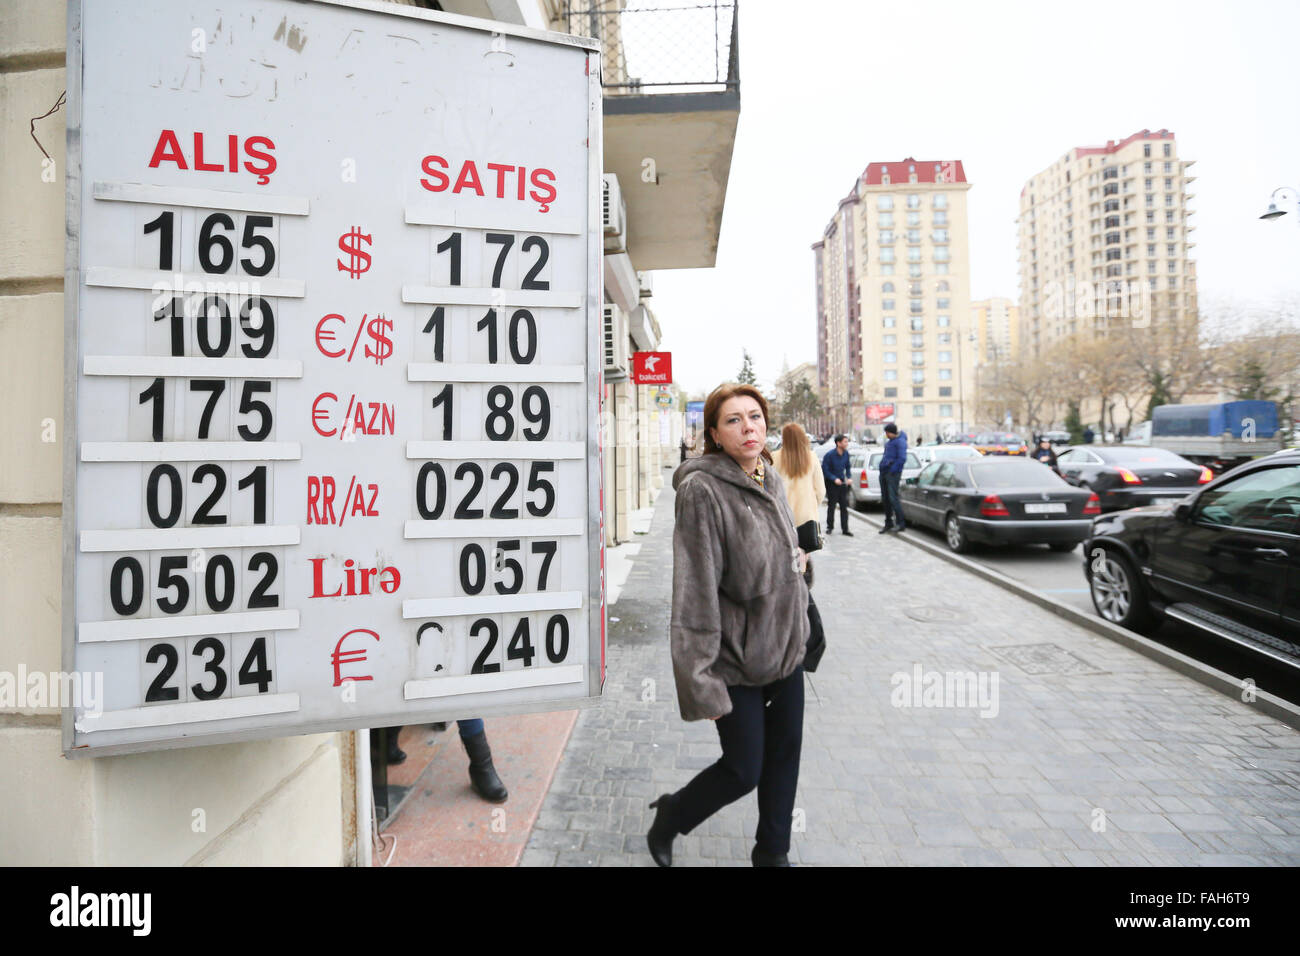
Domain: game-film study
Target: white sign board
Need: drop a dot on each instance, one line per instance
(333, 305)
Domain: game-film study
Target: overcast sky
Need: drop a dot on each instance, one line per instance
(1007, 87)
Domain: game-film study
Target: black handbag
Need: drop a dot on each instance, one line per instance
(816, 646)
(810, 536)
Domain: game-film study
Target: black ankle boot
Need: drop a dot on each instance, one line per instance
(482, 775)
(663, 830)
(759, 858)
(395, 754)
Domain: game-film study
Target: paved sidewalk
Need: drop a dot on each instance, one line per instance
(1096, 756)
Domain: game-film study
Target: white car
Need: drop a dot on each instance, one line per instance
(928, 453)
(864, 474)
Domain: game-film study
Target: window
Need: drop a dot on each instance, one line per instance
(914, 306)
(890, 339)
(1147, 184)
(945, 321)
(914, 235)
(941, 287)
(1151, 216)
(889, 321)
(1261, 500)
(945, 356)
(940, 218)
(940, 236)
(891, 375)
(1146, 167)
(887, 269)
(884, 202)
(887, 305)
(1169, 232)
(890, 358)
(887, 287)
(1151, 283)
(1151, 268)
(891, 393)
(918, 376)
(885, 220)
(914, 254)
(914, 271)
(913, 201)
(1173, 282)
(918, 358)
(941, 254)
(886, 237)
(918, 325)
(941, 269)
(1151, 199)
(945, 338)
(914, 288)
(1151, 233)
(945, 374)
(945, 391)
(918, 411)
(918, 391)
(1169, 199)
(1151, 248)
(1169, 215)
(1146, 149)
(940, 201)
(945, 411)
(913, 218)
(1173, 250)
(1169, 149)
(886, 255)
(918, 341)
(1173, 267)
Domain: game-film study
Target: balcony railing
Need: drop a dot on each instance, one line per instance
(650, 47)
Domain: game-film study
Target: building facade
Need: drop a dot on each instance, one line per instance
(1105, 241)
(996, 324)
(894, 319)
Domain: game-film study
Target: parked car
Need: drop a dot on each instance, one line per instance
(999, 501)
(1225, 559)
(928, 453)
(1125, 476)
(864, 469)
(1000, 443)
(1057, 438)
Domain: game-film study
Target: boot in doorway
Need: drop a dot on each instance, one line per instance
(482, 775)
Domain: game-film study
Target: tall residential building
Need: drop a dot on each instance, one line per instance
(893, 271)
(1105, 240)
(996, 324)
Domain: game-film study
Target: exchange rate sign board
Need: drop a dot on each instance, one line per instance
(333, 291)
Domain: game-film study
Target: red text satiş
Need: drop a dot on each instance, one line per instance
(504, 180)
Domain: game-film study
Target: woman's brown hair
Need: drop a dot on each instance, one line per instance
(796, 452)
(713, 408)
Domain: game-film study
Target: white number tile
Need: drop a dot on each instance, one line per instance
(208, 668)
(257, 651)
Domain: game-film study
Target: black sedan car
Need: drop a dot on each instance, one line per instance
(1226, 559)
(999, 501)
(1125, 477)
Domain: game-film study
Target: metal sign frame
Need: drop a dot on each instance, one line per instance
(74, 277)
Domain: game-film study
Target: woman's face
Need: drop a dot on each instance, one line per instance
(741, 430)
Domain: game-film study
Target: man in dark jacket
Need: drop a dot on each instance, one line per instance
(891, 471)
(835, 469)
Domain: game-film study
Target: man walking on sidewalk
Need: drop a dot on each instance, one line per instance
(835, 469)
(891, 470)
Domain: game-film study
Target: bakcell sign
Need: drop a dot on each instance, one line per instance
(652, 368)
(878, 413)
(333, 316)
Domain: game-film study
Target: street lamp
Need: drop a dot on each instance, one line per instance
(1273, 211)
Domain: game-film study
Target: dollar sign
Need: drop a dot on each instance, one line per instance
(350, 242)
(383, 343)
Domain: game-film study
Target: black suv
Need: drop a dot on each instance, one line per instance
(1226, 559)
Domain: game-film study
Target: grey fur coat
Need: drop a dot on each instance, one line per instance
(740, 606)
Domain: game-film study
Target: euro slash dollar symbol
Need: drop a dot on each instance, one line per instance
(350, 242)
(383, 344)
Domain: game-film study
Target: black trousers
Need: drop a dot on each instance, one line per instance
(890, 500)
(761, 741)
(837, 494)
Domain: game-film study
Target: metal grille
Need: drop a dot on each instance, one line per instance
(652, 47)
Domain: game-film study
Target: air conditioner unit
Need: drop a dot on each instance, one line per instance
(645, 280)
(615, 343)
(614, 211)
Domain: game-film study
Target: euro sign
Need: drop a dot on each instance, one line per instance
(383, 344)
(350, 243)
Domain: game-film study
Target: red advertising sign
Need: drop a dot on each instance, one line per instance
(878, 413)
(652, 368)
